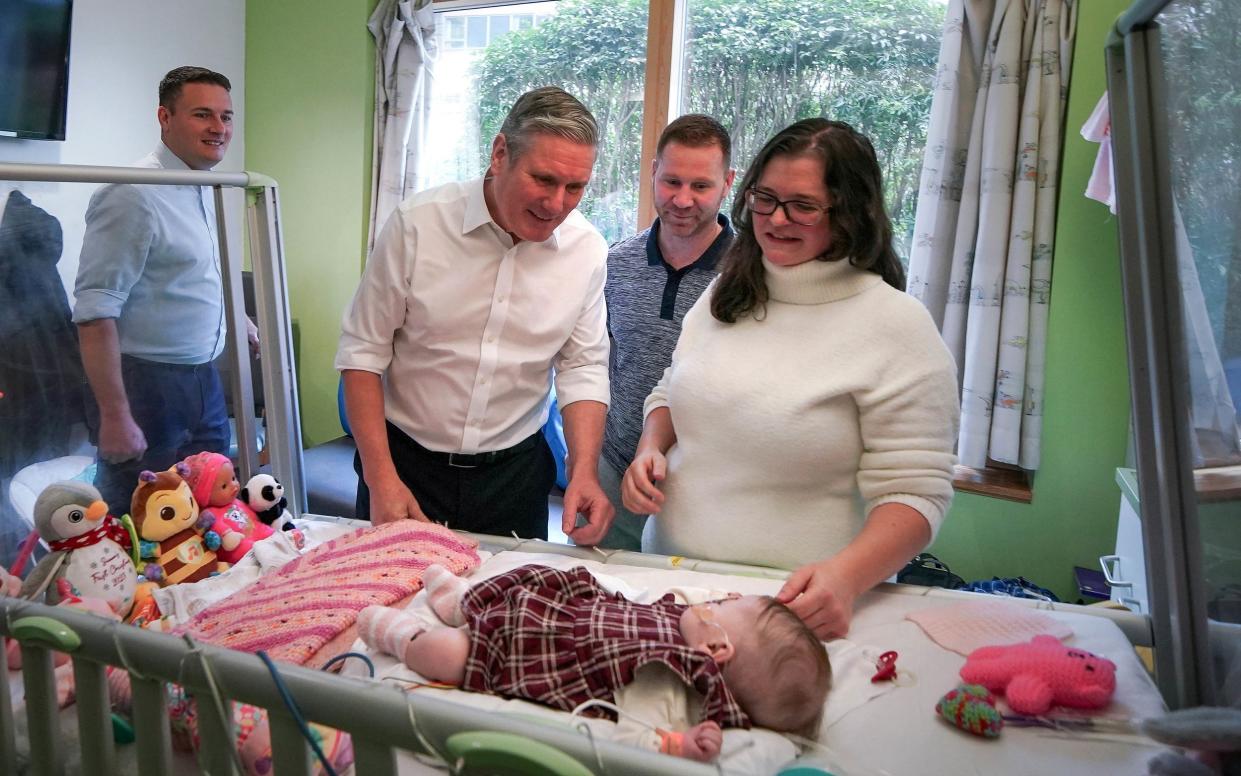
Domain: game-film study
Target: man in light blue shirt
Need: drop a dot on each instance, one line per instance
(150, 306)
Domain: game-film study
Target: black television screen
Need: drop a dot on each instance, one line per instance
(34, 67)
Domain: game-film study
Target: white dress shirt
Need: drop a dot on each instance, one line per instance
(465, 327)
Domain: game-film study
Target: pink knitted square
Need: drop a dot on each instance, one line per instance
(293, 612)
(969, 625)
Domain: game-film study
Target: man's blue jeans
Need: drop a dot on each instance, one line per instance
(180, 409)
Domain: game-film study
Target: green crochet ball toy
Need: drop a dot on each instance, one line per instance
(971, 707)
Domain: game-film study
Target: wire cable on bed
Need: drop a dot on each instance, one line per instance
(342, 657)
(226, 718)
(433, 753)
(120, 652)
(582, 727)
(520, 542)
(292, 706)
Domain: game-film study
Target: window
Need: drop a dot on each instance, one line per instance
(760, 66)
(476, 32)
(595, 49)
(1205, 149)
(453, 31)
(756, 65)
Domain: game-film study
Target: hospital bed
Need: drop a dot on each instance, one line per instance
(888, 730)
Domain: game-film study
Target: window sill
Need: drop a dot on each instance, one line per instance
(1221, 483)
(1008, 484)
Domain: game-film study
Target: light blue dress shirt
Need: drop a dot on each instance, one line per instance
(150, 260)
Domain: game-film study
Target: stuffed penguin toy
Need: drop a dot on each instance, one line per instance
(89, 548)
(264, 494)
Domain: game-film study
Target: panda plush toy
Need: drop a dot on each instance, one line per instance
(265, 495)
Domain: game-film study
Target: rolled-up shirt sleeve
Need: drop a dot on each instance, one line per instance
(582, 363)
(379, 306)
(120, 227)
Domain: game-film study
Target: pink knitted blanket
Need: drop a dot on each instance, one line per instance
(293, 612)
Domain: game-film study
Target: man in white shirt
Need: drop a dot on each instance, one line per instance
(474, 295)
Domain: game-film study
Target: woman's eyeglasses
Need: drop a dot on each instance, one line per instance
(797, 211)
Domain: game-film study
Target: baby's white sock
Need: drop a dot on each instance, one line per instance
(388, 629)
(444, 593)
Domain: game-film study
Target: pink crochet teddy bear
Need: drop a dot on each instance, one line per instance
(1041, 673)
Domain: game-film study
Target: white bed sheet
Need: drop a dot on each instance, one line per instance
(895, 731)
(900, 734)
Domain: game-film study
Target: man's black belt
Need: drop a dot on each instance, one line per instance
(474, 460)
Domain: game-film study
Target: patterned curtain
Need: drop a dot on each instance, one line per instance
(983, 234)
(404, 56)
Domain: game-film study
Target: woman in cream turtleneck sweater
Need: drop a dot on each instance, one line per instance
(809, 415)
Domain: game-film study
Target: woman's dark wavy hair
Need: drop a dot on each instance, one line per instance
(861, 231)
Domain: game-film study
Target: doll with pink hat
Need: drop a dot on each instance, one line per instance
(214, 484)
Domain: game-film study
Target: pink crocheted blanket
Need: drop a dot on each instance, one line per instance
(293, 612)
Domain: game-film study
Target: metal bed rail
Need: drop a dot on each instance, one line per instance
(379, 718)
(266, 249)
(1157, 354)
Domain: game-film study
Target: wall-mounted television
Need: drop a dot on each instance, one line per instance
(34, 68)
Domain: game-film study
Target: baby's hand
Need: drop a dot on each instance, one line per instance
(702, 742)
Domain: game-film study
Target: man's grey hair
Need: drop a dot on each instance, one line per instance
(552, 111)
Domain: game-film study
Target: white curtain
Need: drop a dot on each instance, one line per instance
(985, 224)
(404, 56)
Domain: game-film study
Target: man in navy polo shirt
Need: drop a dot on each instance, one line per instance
(653, 279)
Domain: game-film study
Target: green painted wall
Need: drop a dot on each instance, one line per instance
(308, 117)
(1072, 519)
(309, 73)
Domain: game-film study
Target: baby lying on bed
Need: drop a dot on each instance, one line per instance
(559, 638)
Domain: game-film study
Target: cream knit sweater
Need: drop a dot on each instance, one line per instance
(792, 427)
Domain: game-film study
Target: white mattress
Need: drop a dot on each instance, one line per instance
(900, 734)
(894, 732)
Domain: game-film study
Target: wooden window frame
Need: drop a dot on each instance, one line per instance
(1218, 483)
(665, 29)
(997, 480)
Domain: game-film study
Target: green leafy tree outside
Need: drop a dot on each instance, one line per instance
(756, 65)
(1202, 57)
